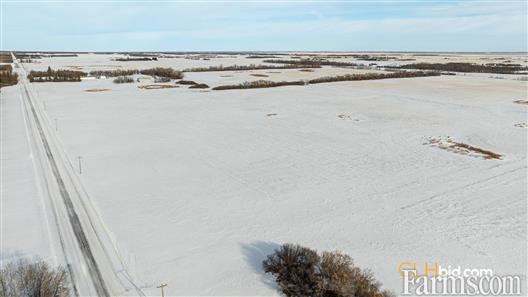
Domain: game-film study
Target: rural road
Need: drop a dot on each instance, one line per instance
(90, 255)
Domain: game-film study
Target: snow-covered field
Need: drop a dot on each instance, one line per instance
(197, 187)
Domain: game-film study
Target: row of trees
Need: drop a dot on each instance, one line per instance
(260, 84)
(51, 75)
(128, 59)
(326, 79)
(312, 62)
(114, 73)
(60, 75)
(249, 67)
(371, 76)
(466, 67)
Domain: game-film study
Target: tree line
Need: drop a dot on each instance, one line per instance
(327, 79)
(249, 67)
(312, 62)
(466, 67)
(62, 75)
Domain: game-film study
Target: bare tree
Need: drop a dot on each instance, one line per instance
(33, 279)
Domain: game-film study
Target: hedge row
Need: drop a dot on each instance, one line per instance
(466, 67)
(249, 67)
(260, 84)
(348, 77)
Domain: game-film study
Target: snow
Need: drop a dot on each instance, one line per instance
(24, 229)
(198, 187)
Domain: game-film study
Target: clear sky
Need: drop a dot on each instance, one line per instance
(405, 25)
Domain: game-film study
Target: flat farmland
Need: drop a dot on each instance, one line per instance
(196, 187)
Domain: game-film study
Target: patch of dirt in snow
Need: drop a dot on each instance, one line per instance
(347, 117)
(97, 90)
(155, 87)
(524, 102)
(462, 148)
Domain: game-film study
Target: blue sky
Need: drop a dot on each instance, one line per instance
(273, 25)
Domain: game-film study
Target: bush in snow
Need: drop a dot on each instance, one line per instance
(295, 269)
(302, 272)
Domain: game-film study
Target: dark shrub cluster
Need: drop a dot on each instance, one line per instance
(114, 73)
(260, 84)
(55, 75)
(302, 272)
(163, 72)
(123, 79)
(186, 82)
(248, 67)
(370, 76)
(23, 278)
(199, 86)
(467, 67)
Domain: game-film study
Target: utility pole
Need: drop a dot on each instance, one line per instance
(161, 287)
(80, 165)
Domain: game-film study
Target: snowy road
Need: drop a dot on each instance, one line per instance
(94, 265)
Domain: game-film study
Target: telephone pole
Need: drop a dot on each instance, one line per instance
(161, 287)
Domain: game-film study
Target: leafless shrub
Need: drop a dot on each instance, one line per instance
(33, 279)
(300, 272)
(295, 270)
